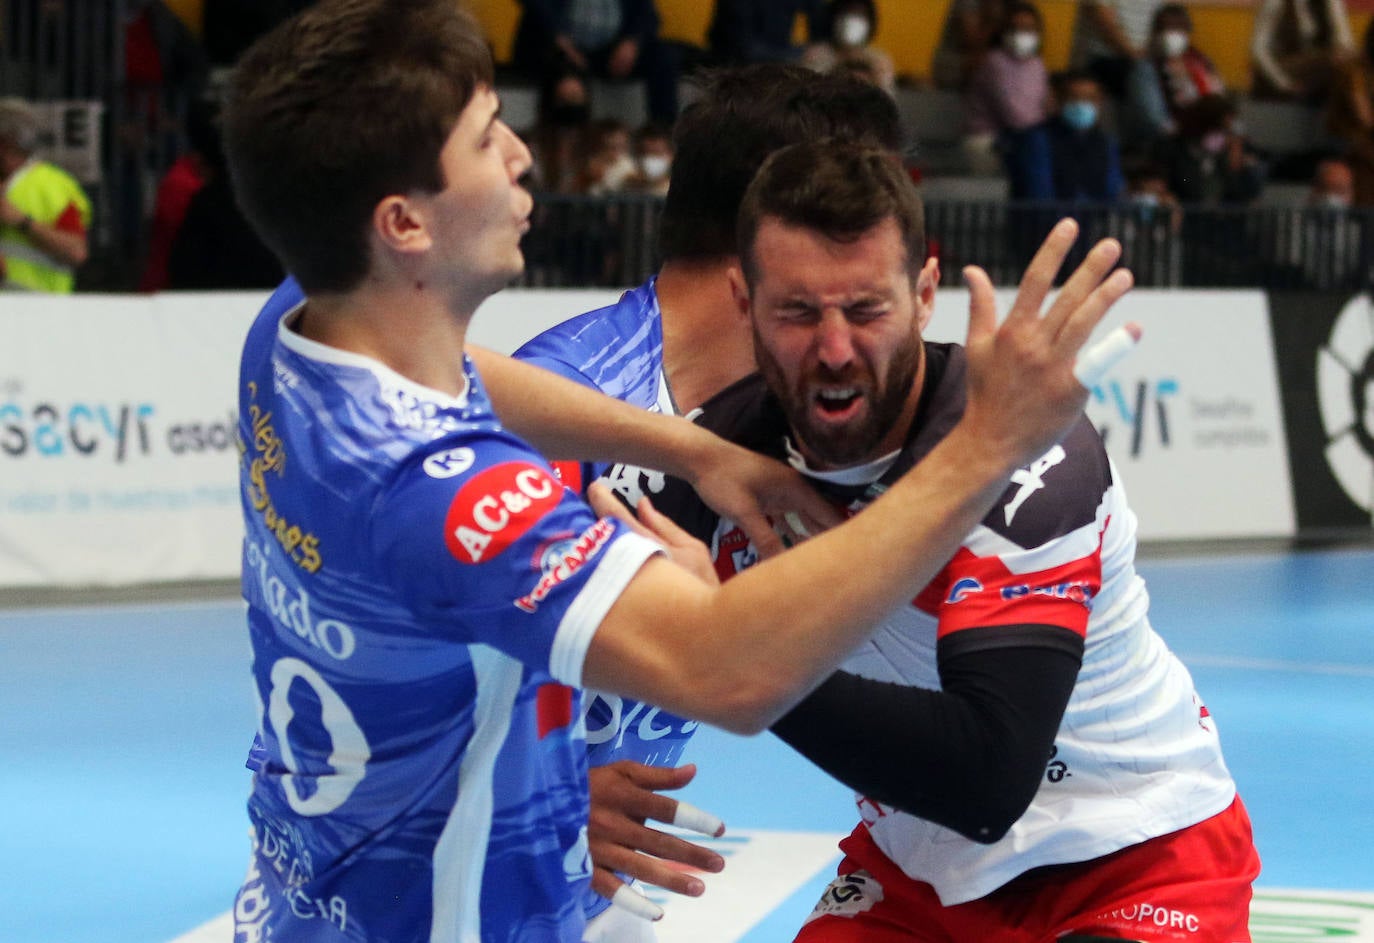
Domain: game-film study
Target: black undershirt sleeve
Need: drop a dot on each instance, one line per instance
(969, 757)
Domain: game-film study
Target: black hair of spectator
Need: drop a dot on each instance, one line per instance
(1175, 10)
(1021, 6)
(1368, 45)
(742, 115)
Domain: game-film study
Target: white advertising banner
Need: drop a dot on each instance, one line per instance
(119, 463)
(1192, 418)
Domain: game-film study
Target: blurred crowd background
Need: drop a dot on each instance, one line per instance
(1225, 142)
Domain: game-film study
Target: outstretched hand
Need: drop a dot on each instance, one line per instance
(625, 795)
(771, 502)
(1023, 389)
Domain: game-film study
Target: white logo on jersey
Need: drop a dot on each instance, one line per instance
(449, 464)
(632, 482)
(1031, 479)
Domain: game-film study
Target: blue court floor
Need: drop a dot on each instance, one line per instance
(123, 729)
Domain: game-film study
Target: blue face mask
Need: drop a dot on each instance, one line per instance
(1079, 115)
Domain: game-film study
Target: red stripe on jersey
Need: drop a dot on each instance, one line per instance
(553, 707)
(978, 591)
(570, 474)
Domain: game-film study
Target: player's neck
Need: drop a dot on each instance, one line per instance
(706, 343)
(410, 330)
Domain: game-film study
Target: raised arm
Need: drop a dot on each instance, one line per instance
(739, 655)
(564, 419)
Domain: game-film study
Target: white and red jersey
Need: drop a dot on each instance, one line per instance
(1136, 755)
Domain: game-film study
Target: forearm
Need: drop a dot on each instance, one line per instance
(68, 248)
(743, 653)
(565, 420)
(970, 756)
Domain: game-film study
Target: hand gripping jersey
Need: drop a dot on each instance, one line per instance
(421, 594)
(619, 351)
(1136, 753)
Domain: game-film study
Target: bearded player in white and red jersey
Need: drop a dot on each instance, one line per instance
(1032, 762)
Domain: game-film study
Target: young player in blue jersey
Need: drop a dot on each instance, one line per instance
(424, 600)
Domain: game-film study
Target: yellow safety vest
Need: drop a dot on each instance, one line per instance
(42, 191)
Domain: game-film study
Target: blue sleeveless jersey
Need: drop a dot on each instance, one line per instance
(421, 594)
(619, 350)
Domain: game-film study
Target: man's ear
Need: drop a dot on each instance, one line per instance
(926, 282)
(400, 223)
(739, 290)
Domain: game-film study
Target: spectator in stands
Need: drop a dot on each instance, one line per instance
(555, 141)
(1298, 46)
(44, 213)
(1112, 38)
(653, 151)
(1009, 101)
(182, 181)
(1350, 117)
(744, 31)
(1112, 42)
(848, 44)
(607, 163)
(613, 39)
(1085, 159)
(165, 68)
(215, 248)
(1148, 227)
(1182, 73)
(1210, 161)
(971, 28)
(1320, 245)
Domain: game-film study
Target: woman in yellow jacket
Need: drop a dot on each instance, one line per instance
(44, 215)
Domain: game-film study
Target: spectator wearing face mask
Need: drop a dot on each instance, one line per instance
(653, 154)
(1326, 242)
(1085, 160)
(848, 44)
(1181, 75)
(1008, 102)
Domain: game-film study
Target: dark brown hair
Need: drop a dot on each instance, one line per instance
(837, 189)
(344, 104)
(742, 115)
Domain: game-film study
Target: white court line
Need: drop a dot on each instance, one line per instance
(1277, 664)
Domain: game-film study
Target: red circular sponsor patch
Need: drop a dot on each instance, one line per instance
(497, 507)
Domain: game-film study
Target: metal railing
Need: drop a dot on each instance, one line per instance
(579, 241)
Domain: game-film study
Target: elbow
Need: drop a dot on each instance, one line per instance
(746, 706)
(986, 813)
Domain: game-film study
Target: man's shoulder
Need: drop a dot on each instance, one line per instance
(1057, 494)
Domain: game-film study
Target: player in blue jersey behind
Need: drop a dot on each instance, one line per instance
(667, 346)
(424, 600)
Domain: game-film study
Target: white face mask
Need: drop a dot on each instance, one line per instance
(1023, 44)
(1173, 43)
(655, 166)
(852, 30)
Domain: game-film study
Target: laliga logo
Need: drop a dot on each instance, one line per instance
(1345, 394)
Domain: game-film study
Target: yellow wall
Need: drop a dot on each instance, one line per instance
(910, 30)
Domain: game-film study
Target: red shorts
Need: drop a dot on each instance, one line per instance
(1191, 885)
